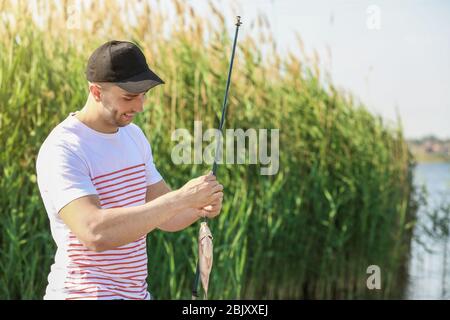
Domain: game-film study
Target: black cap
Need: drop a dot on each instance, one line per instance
(124, 64)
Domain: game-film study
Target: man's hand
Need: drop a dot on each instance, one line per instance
(201, 192)
(212, 210)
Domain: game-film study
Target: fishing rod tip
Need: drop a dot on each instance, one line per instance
(238, 22)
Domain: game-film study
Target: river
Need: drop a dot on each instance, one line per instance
(429, 272)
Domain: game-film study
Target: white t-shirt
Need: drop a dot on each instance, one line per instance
(75, 161)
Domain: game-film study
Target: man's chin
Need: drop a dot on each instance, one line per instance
(124, 122)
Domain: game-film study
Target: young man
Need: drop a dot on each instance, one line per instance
(101, 189)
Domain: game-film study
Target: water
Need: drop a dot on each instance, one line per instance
(429, 272)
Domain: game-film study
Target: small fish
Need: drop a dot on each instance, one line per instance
(205, 255)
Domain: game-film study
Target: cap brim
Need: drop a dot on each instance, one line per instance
(141, 82)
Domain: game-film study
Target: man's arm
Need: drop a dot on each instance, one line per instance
(104, 229)
(185, 218)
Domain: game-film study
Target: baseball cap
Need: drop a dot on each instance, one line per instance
(122, 63)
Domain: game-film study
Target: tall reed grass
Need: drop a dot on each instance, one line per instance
(342, 200)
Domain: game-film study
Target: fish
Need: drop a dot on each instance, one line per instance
(205, 255)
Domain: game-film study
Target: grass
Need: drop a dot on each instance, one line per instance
(342, 200)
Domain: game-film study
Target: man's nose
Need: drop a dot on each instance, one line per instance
(138, 108)
(139, 105)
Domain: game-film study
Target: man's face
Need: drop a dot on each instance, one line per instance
(120, 106)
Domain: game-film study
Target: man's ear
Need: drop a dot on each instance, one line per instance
(95, 91)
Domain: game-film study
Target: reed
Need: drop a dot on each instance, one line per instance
(342, 200)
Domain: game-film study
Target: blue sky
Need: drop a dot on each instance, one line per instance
(404, 66)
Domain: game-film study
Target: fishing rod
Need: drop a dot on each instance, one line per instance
(222, 120)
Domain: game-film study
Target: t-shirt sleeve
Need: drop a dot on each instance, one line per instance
(152, 174)
(65, 177)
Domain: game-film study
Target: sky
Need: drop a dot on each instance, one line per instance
(393, 55)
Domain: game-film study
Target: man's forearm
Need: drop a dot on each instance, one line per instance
(119, 226)
(175, 223)
(180, 221)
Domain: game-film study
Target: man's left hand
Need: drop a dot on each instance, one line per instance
(212, 210)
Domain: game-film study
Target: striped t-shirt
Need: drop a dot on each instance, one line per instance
(75, 161)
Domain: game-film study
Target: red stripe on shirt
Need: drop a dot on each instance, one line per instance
(124, 175)
(118, 261)
(138, 283)
(87, 250)
(119, 254)
(118, 189)
(106, 260)
(115, 184)
(121, 194)
(121, 170)
(103, 284)
(120, 200)
(143, 199)
(97, 289)
(81, 265)
(143, 267)
(104, 296)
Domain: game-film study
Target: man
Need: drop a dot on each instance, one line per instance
(101, 189)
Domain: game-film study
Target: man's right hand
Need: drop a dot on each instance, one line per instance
(200, 192)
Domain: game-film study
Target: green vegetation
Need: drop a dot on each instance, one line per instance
(341, 201)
